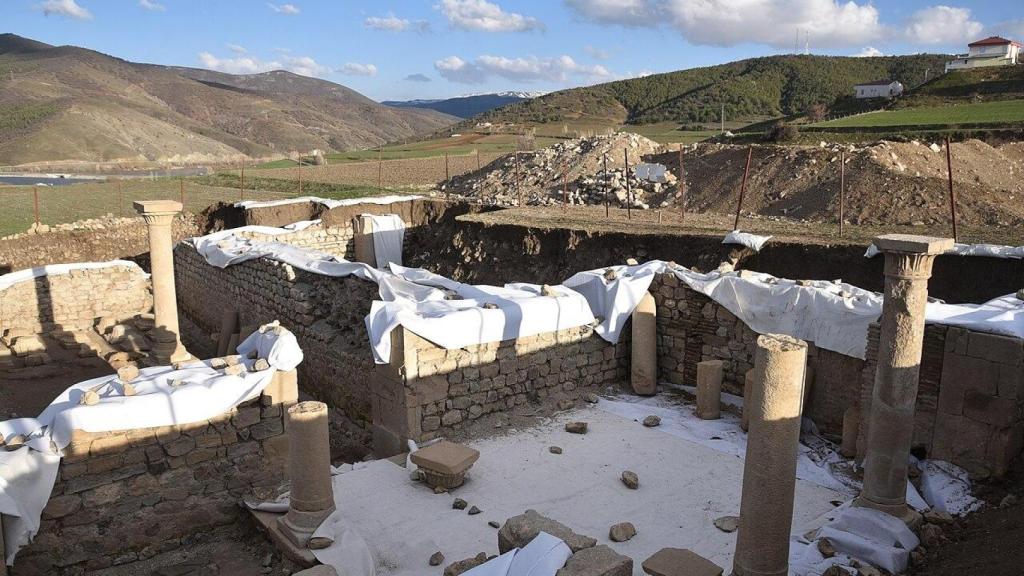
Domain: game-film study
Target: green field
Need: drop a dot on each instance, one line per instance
(981, 113)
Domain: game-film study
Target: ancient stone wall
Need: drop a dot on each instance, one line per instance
(326, 315)
(126, 496)
(336, 240)
(88, 241)
(73, 301)
(693, 328)
(426, 391)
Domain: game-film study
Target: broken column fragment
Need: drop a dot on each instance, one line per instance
(445, 464)
(518, 531)
(769, 469)
(312, 496)
(644, 365)
(679, 562)
(709, 389)
(362, 227)
(908, 265)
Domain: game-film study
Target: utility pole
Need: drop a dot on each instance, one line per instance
(629, 190)
(722, 118)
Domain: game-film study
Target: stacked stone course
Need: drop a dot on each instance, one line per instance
(73, 301)
(129, 495)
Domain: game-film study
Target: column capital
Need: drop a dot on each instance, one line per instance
(910, 257)
(157, 211)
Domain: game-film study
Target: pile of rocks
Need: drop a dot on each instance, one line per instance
(106, 222)
(584, 167)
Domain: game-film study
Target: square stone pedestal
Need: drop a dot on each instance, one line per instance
(268, 522)
(679, 562)
(445, 464)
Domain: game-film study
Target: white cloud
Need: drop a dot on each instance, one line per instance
(484, 16)
(623, 12)
(1012, 29)
(597, 53)
(942, 25)
(237, 48)
(529, 69)
(869, 51)
(390, 23)
(357, 69)
(152, 6)
(303, 65)
(67, 8)
(417, 78)
(290, 9)
(829, 23)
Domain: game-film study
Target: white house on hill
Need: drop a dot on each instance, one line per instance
(878, 89)
(992, 51)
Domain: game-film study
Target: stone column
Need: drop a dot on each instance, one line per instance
(644, 347)
(851, 430)
(749, 382)
(3, 551)
(769, 469)
(908, 265)
(709, 389)
(159, 214)
(312, 496)
(362, 229)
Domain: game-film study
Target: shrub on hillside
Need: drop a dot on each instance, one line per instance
(782, 132)
(817, 112)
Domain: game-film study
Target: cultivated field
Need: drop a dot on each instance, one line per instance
(999, 112)
(407, 172)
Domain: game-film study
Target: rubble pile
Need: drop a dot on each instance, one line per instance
(537, 177)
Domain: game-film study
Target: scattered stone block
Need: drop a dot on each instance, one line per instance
(652, 421)
(621, 532)
(597, 561)
(576, 427)
(727, 523)
(473, 511)
(436, 559)
(518, 531)
(234, 370)
(459, 504)
(679, 562)
(261, 365)
(591, 397)
(445, 464)
(494, 524)
(826, 547)
(555, 450)
(127, 373)
(319, 543)
(456, 568)
(630, 479)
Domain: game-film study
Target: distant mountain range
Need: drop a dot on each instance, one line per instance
(69, 103)
(466, 106)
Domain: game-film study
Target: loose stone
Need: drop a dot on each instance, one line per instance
(436, 559)
(652, 421)
(631, 480)
(621, 532)
(592, 398)
(473, 511)
(727, 523)
(576, 427)
(459, 504)
(555, 450)
(494, 524)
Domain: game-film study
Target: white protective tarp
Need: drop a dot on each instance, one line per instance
(163, 397)
(989, 250)
(480, 314)
(17, 277)
(752, 241)
(542, 556)
(613, 301)
(327, 202)
(388, 238)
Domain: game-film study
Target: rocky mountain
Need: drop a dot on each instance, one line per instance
(469, 105)
(70, 103)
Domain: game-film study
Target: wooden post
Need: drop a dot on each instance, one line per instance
(181, 191)
(842, 190)
(120, 192)
(380, 168)
(519, 189)
(35, 201)
(629, 190)
(952, 193)
(605, 185)
(743, 188)
(241, 183)
(298, 172)
(477, 158)
(682, 187)
(447, 174)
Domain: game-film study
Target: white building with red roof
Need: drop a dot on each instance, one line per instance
(992, 51)
(878, 89)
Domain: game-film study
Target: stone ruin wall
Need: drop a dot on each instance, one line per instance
(427, 391)
(119, 238)
(325, 314)
(693, 328)
(129, 495)
(73, 301)
(970, 397)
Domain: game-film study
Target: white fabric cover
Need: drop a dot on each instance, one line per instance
(871, 536)
(947, 488)
(19, 276)
(327, 202)
(989, 250)
(388, 238)
(752, 241)
(612, 302)
(542, 556)
(27, 474)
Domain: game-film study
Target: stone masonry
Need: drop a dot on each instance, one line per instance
(73, 301)
(126, 496)
(427, 390)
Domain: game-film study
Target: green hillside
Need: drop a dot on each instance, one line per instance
(755, 88)
(981, 84)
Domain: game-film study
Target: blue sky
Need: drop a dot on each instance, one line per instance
(442, 48)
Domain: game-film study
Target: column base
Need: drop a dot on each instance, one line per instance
(912, 518)
(299, 526)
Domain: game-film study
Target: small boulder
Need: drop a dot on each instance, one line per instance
(555, 450)
(597, 561)
(459, 504)
(727, 523)
(436, 559)
(621, 532)
(319, 543)
(652, 421)
(593, 398)
(456, 568)
(518, 531)
(473, 511)
(826, 547)
(576, 427)
(630, 479)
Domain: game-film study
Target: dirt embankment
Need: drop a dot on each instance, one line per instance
(885, 182)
